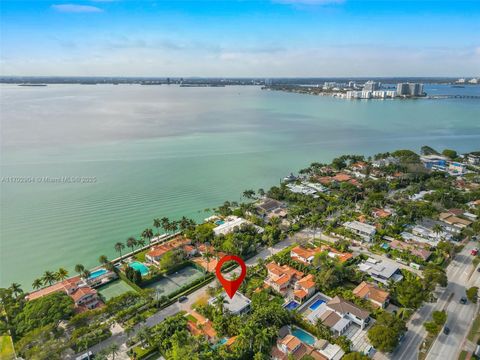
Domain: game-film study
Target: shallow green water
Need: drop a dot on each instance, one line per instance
(167, 151)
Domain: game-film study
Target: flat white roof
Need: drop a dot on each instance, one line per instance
(235, 305)
(362, 227)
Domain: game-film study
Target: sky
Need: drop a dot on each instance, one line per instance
(269, 38)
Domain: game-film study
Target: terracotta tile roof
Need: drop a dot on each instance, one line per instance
(371, 292)
(341, 177)
(78, 294)
(231, 341)
(307, 282)
(381, 213)
(291, 342)
(65, 285)
(300, 293)
(159, 250)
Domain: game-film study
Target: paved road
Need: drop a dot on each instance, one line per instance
(459, 317)
(416, 333)
(121, 339)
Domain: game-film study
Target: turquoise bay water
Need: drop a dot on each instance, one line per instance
(159, 151)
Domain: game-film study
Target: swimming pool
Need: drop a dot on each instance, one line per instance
(219, 222)
(303, 336)
(99, 272)
(292, 305)
(316, 304)
(140, 267)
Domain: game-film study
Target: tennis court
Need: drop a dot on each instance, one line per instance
(115, 288)
(172, 282)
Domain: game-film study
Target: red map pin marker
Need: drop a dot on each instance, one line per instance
(230, 286)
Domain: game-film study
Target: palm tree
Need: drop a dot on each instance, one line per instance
(131, 243)
(37, 284)
(165, 223)
(119, 246)
(16, 289)
(219, 302)
(86, 274)
(174, 226)
(79, 268)
(207, 255)
(147, 234)
(263, 338)
(114, 348)
(157, 223)
(61, 274)
(103, 259)
(48, 277)
(437, 229)
(249, 194)
(141, 242)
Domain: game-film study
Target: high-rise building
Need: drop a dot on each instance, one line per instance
(409, 89)
(371, 86)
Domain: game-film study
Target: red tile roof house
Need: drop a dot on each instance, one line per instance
(202, 327)
(303, 255)
(290, 347)
(378, 297)
(281, 277)
(83, 295)
(413, 248)
(156, 252)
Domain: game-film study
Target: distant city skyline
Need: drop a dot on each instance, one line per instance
(278, 38)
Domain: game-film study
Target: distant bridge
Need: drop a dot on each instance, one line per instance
(453, 97)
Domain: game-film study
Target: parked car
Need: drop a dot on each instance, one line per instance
(182, 299)
(446, 330)
(463, 300)
(474, 252)
(478, 269)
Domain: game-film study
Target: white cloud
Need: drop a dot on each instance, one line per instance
(74, 8)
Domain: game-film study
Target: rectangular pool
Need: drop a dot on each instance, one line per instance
(316, 304)
(140, 267)
(292, 305)
(303, 336)
(99, 272)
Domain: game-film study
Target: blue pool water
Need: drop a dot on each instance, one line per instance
(140, 267)
(316, 304)
(219, 343)
(97, 273)
(219, 222)
(385, 246)
(292, 305)
(303, 336)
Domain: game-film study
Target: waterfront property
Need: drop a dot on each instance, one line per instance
(231, 223)
(113, 289)
(84, 296)
(156, 252)
(141, 267)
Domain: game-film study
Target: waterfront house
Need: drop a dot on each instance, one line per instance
(268, 208)
(378, 297)
(234, 222)
(156, 252)
(381, 271)
(81, 293)
(365, 231)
